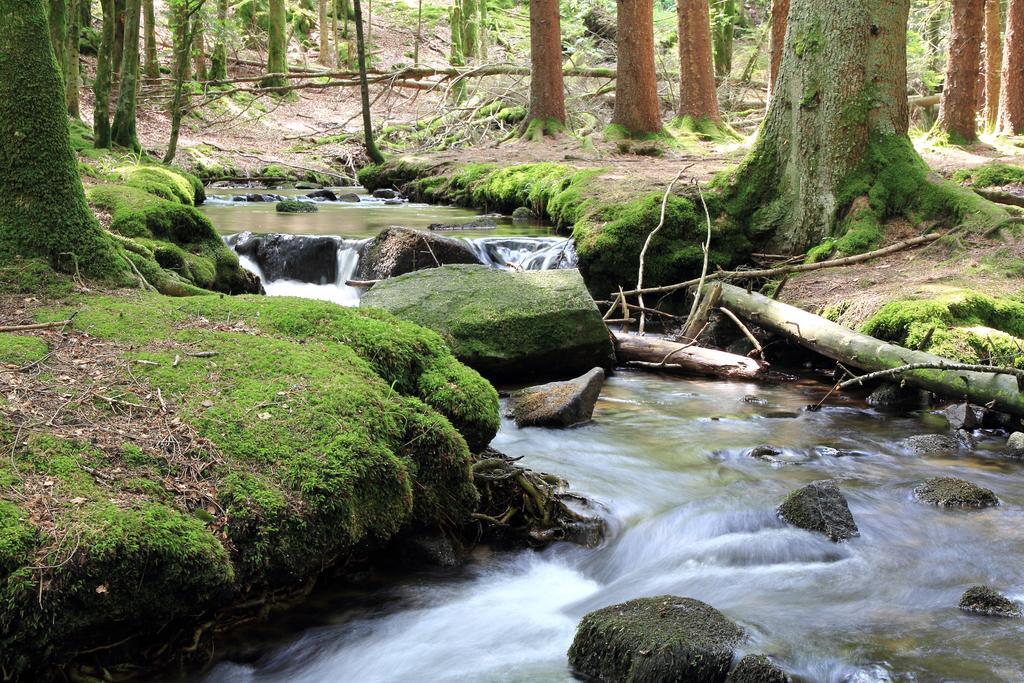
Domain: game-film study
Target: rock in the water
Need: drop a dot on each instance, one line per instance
(666, 638)
(504, 324)
(1015, 445)
(765, 452)
(524, 214)
(396, 251)
(477, 224)
(895, 398)
(931, 444)
(962, 416)
(325, 195)
(988, 601)
(385, 193)
(294, 206)
(951, 492)
(820, 507)
(558, 404)
(434, 550)
(294, 257)
(758, 669)
(350, 197)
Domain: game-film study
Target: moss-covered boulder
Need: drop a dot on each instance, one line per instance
(758, 669)
(990, 602)
(557, 404)
(952, 492)
(397, 251)
(296, 206)
(1015, 445)
(665, 638)
(820, 507)
(504, 324)
(164, 182)
(930, 445)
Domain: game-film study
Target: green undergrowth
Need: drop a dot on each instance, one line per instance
(994, 174)
(704, 129)
(20, 350)
(964, 326)
(322, 428)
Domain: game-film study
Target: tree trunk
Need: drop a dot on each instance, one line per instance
(364, 89)
(547, 90)
(85, 14)
(637, 109)
(72, 70)
(958, 112)
(152, 61)
(277, 48)
(724, 33)
(118, 49)
(182, 27)
(780, 15)
(42, 204)
(219, 59)
(698, 96)
(1011, 102)
(57, 19)
(661, 354)
(199, 47)
(471, 29)
(325, 35)
(123, 132)
(101, 85)
(993, 60)
(419, 33)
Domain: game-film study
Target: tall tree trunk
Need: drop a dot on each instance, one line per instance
(637, 110)
(698, 97)
(471, 29)
(72, 69)
(482, 50)
(364, 89)
(277, 48)
(219, 59)
(724, 33)
(199, 47)
(323, 26)
(101, 84)
(152, 61)
(85, 14)
(1011, 102)
(780, 15)
(123, 132)
(181, 13)
(958, 111)
(993, 60)
(57, 18)
(118, 49)
(419, 32)
(42, 204)
(547, 90)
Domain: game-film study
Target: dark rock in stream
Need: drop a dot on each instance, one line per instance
(295, 206)
(384, 193)
(557, 404)
(292, 257)
(524, 214)
(820, 507)
(952, 492)
(891, 397)
(325, 195)
(931, 444)
(257, 198)
(758, 669)
(435, 550)
(350, 197)
(990, 602)
(962, 416)
(666, 638)
(478, 224)
(396, 251)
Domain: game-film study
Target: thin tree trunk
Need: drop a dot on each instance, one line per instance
(637, 109)
(101, 85)
(85, 14)
(780, 16)
(277, 48)
(993, 61)
(123, 132)
(57, 18)
(325, 36)
(72, 70)
(364, 89)
(471, 29)
(482, 4)
(698, 97)
(419, 32)
(219, 59)
(152, 68)
(724, 33)
(958, 111)
(1011, 103)
(547, 89)
(118, 49)
(182, 27)
(199, 48)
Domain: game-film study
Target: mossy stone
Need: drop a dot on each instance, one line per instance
(665, 638)
(294, 206)
(990, 602)
(397, 251)
(557, 404)
(952, 492)
(820, 507)
(930, 445)
(758, 669)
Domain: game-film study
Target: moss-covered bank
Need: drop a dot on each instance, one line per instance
(296, 432)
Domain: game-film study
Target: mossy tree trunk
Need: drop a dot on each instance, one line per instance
(323, 27)
(152, 69)
(57, 18)
(182, 12)
(219, 58)
(364, 88)
(123, 132)
(199, 58)
(637, 109)
(698, 95)
(471, 29)
(780, 15)
(101, 84)
(42, 204)
(724, 33)
(72, 69)
(1011, 101)
(959, 109)
(118, 49)
(547, 89)
(85, 14)
(993, 60)
(277, 48)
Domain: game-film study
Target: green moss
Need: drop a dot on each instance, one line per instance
(295, 206)
(536, 129)
(994, 174)
(32, 276)
(19, 350)
(17, 538)
(704, 128)
(161, 181)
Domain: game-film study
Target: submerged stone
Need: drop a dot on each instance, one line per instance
(820, 507)
(665, 638)
(951, 492)
(396, 251)
(758, 669)
(988, 601)
(931, 444)
(896, 398)
(294, 206)
(509, 325)
(557, 404)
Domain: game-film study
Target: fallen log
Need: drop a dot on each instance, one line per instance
(1001, 391)
(1001, 196)
(661, 354)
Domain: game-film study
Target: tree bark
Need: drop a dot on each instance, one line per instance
(780, 16)
(471, 29)
(199, 48)
(118, 49)
(72, 68)
(993, 60)
(547, 90)
(57, 18)
(1011, 102)
(152, 69)
(219, 59)
(85, 14)
(101, 85)
(181, 24)
(364, 88)
(277, 49)
(724, 33)
(637, 109)
(123, 132)
(43, 212)
(958, 111)
(661, 354)
(698, 96)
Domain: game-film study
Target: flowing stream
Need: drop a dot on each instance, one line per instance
(692, 514)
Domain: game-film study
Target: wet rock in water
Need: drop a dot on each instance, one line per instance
(988, 601)
(965, 438)
(1015, 445)
(524, 214)
(435, 550)
(557, 404)
(931, 444)
(396, 251)
(764, 452)
(758, 669)
(325, 195)
(820, 507)
(294, 206)
(295, 257)
(504, 324)
(952, 492)
(350, 197)
(962, 416)
(477, 224)
(385, 193)
(830, 452)
(895, 398)
(665, 638)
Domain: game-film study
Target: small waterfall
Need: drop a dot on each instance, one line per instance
(525, 253)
